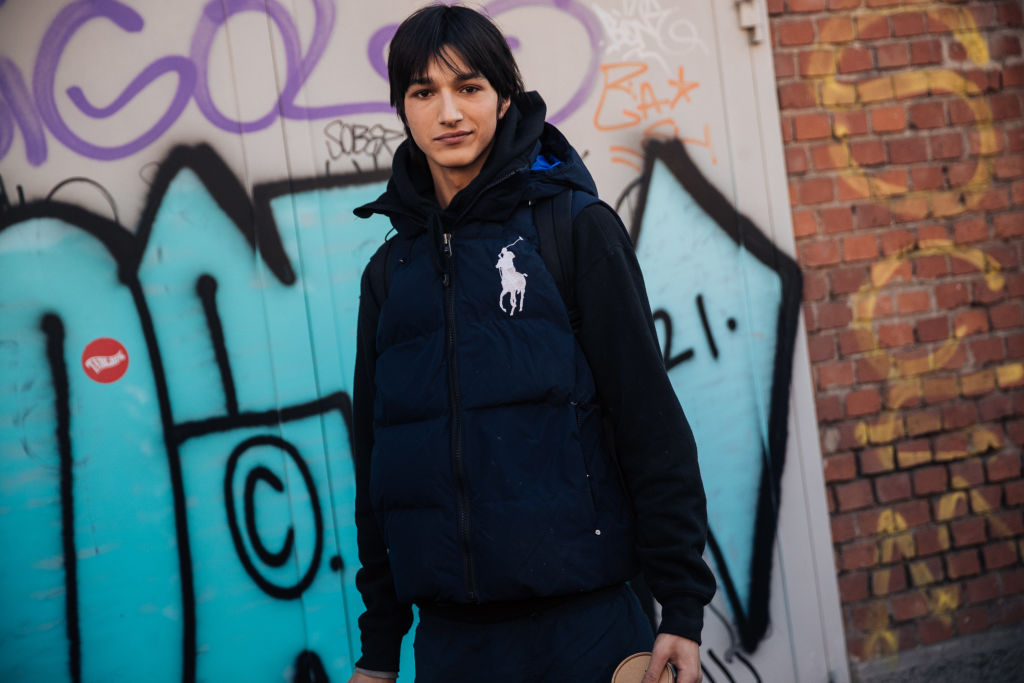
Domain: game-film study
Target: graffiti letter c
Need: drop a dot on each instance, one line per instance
(256, 475)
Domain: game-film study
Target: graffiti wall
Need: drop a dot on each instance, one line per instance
(179, 273)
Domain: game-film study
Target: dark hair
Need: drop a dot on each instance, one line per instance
(441, 32)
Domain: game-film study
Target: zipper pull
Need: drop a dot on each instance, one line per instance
(446, 239)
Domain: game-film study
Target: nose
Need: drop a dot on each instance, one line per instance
(449, 113)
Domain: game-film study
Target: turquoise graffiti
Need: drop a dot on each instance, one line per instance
(190, 520)
(176, 487)
(726, 302)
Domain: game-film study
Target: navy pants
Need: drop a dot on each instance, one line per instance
(581, 640)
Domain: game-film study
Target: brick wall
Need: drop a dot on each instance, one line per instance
(904, 139)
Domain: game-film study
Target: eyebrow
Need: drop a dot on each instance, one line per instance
(460, 77)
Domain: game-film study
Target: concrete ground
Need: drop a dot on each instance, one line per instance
(993, 657)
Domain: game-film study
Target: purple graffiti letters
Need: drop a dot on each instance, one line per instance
(64, 26)
(17, 107)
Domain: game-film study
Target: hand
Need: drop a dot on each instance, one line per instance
(363, 678)
(682, 653)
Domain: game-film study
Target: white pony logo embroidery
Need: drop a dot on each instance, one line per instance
(512, 283)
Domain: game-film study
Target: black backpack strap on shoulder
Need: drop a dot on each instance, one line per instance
(380, 273)
(553, 217)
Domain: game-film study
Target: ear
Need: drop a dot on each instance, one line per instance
(503, 107)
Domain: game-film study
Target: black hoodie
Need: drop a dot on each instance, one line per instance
(657, 456)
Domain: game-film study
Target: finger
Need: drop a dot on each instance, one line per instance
(659, 658)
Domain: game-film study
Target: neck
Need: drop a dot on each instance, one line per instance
(448, 182)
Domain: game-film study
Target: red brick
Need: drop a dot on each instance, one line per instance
(895, 335)
(970, 322)
(931, 266)
(892, 487)
(983, 589)
(1005, 524)
(847, 280)
(925, 115)
(838, 219)
(932, 329)
(805, 223)
(868, 152)
(928, 51)
(816, 191)
(854, 59)
(1004, 46)
(796, 160)
(853, 587)
(816, 63)
(1009, 225)
(875, 460)
(863, 402)
(910, 209)
(791, 33)
(785, 65)
(1007, 612)
(909, 606)
(812, 126)
(798, 95)
(858, 555)
(961, 564)
(966, 473)
(985, 499)
(888, 580)
(849, 123)
(946, 145)
(923, 422)
(968, 531)
(1003, 467)
(888, 119)
(1009, 14)
(860, 247)
(927, 177)
(806, 5)
(1009, 167)
(829, 156)
(832, 315)
(835, 30)
(1013, 581)
(931, 540)
(951, 506)
(857, 341)
(966, 173)
(894, 241)
(929, 480)
(985, 142)
(933, 630)
(870, 616)
(914, 301)
(927, 571)
(1015, 492)
(973, 620)
(908, 24)
(839, 374)
(841, 467)
(914, 512)
(908, 150)
(854, 495)
(892, 55)
(844, 528)
(998, 555)
(995, 407)
(959, 416)
(970, 230)
(829, 408)
(872, 26)
(817, 254)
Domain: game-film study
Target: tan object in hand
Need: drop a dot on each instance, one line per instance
(632, 669)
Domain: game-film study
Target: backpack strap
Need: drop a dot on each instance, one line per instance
(554, 217)
(381, 266)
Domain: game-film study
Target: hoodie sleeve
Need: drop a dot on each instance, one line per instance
(653, 442)
(385, 620)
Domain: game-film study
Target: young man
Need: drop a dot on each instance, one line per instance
(487, 490)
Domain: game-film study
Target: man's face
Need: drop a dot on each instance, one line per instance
(452, 116)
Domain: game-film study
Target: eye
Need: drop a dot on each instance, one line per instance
(420, 94)
(470, 89)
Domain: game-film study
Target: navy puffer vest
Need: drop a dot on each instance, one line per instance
(489, 476)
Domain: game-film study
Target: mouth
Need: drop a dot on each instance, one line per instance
(453, 137)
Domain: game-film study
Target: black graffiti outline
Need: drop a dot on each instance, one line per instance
(254, 220)
(272, 589)
(53, 328)
(752, 619)
(670, 360)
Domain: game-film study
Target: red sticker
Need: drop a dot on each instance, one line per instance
(105, 360)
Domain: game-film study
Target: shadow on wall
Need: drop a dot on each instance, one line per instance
(174, 446)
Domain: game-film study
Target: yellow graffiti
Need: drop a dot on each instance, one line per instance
(839, 96)
(881, 643)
